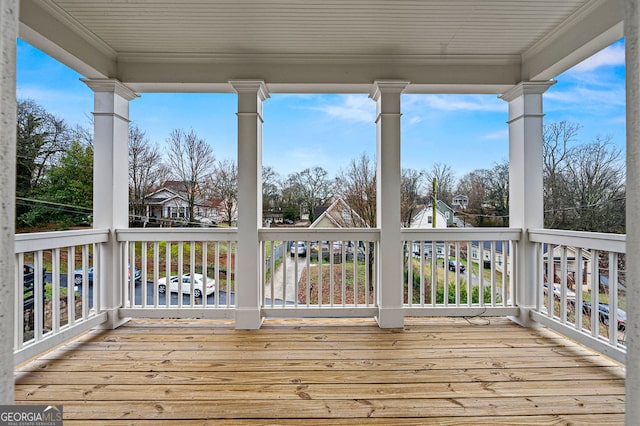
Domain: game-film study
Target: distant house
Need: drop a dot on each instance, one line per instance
(446, 211)
(166, 203)
(573, 265)
(460, 201)
(171, 203)
(483, 252)
(423, 219)
(338, 215)
(272, 217)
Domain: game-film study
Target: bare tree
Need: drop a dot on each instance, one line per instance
(190, 159)
(410, 188)
(474, 186)
(357, 186)
(445, 181)
(145, 168)
(498, 191)
(597, 174)
(225, 188)
(583, 183)
(270, 188)
(556, 147)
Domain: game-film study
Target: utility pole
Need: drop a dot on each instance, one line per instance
(433, 204)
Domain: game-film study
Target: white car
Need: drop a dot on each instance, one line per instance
(186, 285)
(299, 247)
(557, 292)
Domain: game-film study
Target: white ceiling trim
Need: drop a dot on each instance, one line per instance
(181, 58)
(70, 22)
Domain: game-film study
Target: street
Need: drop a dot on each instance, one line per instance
(186, 299)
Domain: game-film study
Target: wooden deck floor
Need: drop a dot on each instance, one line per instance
(435, 371)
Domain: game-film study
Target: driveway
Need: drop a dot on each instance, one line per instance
(291, 277)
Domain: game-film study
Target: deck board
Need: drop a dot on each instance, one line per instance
(325, 371)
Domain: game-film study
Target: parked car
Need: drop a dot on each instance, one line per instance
(452, 266)
(603, 314)
(28, 274)
(185, 286)
(77, 279)
(299, 247)
(557, 292)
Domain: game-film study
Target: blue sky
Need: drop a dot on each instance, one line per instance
(464, 131)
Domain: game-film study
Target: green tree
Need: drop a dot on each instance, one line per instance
(41, 138)
(311, 187)
(67, 190)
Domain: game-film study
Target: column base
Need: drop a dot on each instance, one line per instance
(113, 320)
(524, 319)
(248, 319)
(390, 318)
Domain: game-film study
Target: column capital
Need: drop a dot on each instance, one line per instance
(251, 86)
(387, 86)
(527, 88)
(110, 85)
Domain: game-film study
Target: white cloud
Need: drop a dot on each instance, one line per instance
(449, 103)
(497, 135)
(353, 108)
(611, 56)
(588, 98)
(73, 106)
(43, 95)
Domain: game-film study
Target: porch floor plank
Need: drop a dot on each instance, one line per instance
(325, 371)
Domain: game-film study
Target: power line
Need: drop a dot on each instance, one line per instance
(51, 203)
(586, 206)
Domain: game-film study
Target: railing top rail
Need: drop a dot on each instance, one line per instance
(50, 240)
(462, 234)
(589, 240)
(324, 234)
(172, 234)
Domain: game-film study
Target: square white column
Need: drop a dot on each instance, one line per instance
(110, 184)
(251, 95)
(632, 46)
(387, 93)
(8, 35)
(525, 184)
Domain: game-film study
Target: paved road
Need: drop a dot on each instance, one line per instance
(186, 300)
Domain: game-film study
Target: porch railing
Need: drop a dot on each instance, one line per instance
(56, 297)
(188, 273)
(581, 287)
(459, 272)
(182, 272)
(320, 272)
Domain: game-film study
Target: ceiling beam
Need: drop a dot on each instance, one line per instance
(48, 28)
(448, 75)
(588, 31)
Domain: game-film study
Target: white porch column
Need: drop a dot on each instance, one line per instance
(632, 43)
(251, 94)
(110, 183)
(387, 93)
(525, 183)
(9, 34)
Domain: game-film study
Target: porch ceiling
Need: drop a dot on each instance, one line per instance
(337, 45)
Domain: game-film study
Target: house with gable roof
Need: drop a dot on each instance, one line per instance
(338, 215)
